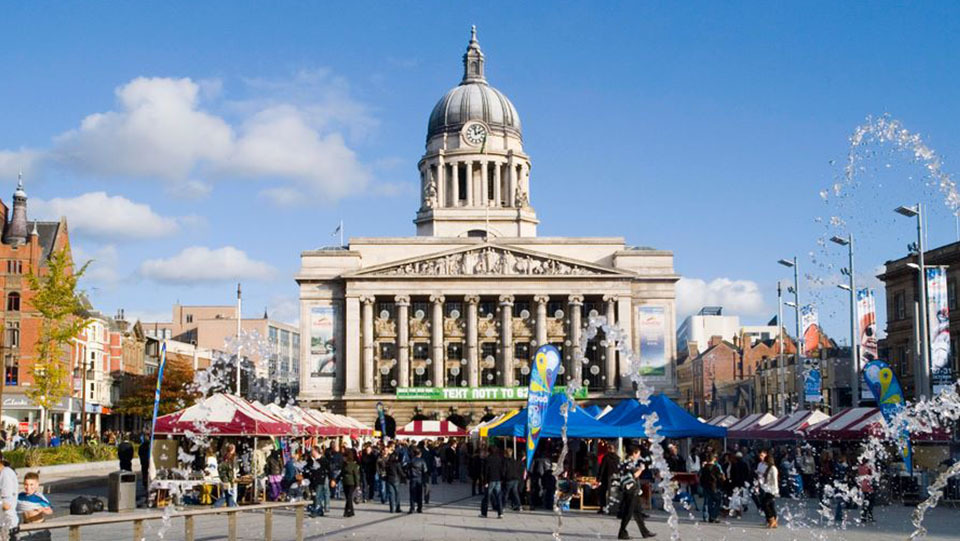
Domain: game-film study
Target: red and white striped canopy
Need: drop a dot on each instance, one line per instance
(788, 427)
(431, 429)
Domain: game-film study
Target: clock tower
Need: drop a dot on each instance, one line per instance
(474, 175)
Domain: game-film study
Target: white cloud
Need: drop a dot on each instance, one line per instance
(12, 162)
(285, 309)
(103, 264)
(199, 264)
(737, 297)
(165, 129)
(103, 216)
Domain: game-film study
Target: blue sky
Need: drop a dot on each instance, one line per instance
(192, 145)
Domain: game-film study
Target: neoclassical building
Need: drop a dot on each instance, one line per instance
(449, 319)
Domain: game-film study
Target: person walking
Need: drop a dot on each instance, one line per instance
(227, 470)
(629, 474)
(739, 479)
(317, 471)
(865, 476)
(493, 478)
(416, 475)
(609, 465)
(368, 463)
(475, 470)
(394, 474)
(350, 479)
(769, 489)
(711, 479)
(512, 475)
(143, 452)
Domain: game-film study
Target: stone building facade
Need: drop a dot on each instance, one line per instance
(448, 320)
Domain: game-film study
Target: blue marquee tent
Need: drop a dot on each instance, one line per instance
(674, 421)
(593, 410)
(580, 424)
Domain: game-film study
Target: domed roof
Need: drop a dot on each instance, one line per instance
(473, 99)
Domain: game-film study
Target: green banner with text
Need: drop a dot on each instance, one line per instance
(473, 393)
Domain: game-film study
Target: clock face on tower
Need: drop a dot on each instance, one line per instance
(475, 133)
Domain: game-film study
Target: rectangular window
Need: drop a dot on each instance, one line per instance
(899, 305)
(520, 307)
(449, 308)
(13, 302)
(189, 318)
(388, 351)
(420, 309)
(555, 306)
(486, 307)
(488, 356)
(454, 370)
(14, 267)
(12, 369)
(387, 309)
(462, 181)
(12, 338)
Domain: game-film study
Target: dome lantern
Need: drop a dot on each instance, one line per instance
(473, 61)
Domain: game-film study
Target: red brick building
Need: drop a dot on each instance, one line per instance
(25, 248)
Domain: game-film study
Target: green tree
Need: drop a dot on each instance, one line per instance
(175, 392)
(60, 306)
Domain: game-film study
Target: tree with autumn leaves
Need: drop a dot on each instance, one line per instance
(175, 391)
(56, 299)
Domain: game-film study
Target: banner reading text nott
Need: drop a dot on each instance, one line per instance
(938, 315)
(323, 341)
(653, 328)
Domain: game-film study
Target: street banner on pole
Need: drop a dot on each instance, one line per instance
(867, 311)
(812, 380)
(810, 327)
(938, 316)
(545, 366)
(383, 421)
(889, 396)
(156, 404)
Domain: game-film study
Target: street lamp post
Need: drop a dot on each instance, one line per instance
(792, 263)
(781, 370)
(921, 376)
(854, 342)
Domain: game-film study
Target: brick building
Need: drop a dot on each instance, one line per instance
(25, 248)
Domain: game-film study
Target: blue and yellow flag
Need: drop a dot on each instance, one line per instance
(889, 396)
(543, 373)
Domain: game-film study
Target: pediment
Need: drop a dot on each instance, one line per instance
(488, 260)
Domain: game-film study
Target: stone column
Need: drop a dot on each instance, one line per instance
(473, 366)
(625, 322)
(541, 301)
(575, 303)
(610, 356)
(368, 369)
(496, 184)
(436, 330)
(511, 183)
(441, 181)
(351, 360)
(454, 185)
(468, 170)
(507, 376)
(403, 340)
(484, 184)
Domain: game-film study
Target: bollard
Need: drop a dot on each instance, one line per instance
(268, 525)
(232, 526)
(188, 528)
(74, 533)
(138, 530)
(299, 523)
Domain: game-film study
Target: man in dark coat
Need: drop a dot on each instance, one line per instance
(125, 454)
(608, 468)
(416, 476)
(512, 475)
(631, 468)
(492, 480)
(144, 453)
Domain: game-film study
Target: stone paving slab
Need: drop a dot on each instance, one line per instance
(454, 515)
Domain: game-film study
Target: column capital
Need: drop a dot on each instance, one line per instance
(506, 300)
(367, 299)
(575, 300)
(609, 298)
(437, 298)
(541, 299)
(472, 299)
(402, 300)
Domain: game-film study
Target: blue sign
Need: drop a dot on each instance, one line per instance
(812, 383)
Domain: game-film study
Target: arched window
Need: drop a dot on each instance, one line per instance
(13, 302)
(474, 68)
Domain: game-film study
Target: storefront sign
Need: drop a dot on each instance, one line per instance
(473, 393)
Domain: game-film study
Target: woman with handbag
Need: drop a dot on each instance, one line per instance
(769, 490)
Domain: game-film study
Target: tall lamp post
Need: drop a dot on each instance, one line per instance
(854, 342)
(921, 371)
(792, 263)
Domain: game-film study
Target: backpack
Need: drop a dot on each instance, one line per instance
(81, 505)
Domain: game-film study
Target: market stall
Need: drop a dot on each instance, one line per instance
(726, 421)
(630, 416)
(754, 421)
(787, 428)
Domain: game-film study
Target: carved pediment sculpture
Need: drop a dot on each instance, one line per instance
(486, 328)
(489, 261)
(554, 327)
(520, 328)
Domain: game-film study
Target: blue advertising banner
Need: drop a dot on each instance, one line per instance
(546, 363)
(889, 396)
(938, 315)
(812, 382)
